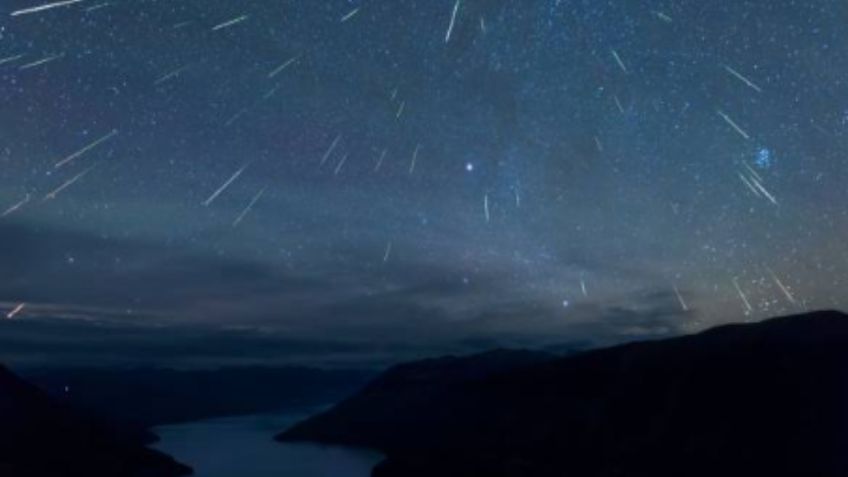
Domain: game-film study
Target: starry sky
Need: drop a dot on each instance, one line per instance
(340, 181)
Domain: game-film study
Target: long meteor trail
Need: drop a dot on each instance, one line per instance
(229, 23)
(16, 206)
(733, 124)
(743, 79)
(221, 189)
(42, 61)
(46, 6)
(85, 149)
(282, 67)
(249, 207)
(15, 311)
(452, 21)
(52, 195)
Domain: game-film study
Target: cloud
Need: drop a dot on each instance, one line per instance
(58, 266)
(95, 298)
(51, 341)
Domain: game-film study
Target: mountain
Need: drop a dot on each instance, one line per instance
(146, 397)
(769, 398)
(40, 437)
(421, 395)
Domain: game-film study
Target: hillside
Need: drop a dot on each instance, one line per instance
(41, 437)
(749, 399)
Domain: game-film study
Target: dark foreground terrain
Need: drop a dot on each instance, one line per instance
(41, 437)
(766, 399)
(140, 398)
(94, 421)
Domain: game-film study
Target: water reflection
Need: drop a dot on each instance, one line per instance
(243, 446)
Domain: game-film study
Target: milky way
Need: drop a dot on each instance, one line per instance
(420, 172)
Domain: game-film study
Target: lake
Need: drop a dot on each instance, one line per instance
(243, 446)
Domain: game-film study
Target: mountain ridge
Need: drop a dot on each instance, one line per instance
(761, 398)
(145, 397)
(43, 437)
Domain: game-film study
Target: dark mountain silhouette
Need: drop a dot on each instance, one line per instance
(145, 397)
(40, 437)
(769, 399)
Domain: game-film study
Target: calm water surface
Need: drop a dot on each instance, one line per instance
(244, 447)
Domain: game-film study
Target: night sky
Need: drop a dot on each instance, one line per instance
(209, 181)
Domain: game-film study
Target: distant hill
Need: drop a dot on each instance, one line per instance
(767, 399)
(146, 397)
(421, 395)
(40, 437)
